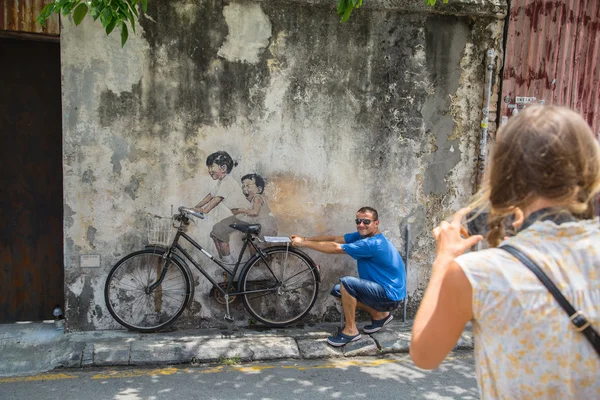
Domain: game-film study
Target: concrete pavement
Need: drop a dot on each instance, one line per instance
(29, 348)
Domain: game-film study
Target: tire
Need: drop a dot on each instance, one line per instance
(284, 304)
(131, 306)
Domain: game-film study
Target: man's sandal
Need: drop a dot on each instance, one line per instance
(377, 324)
(342, 339)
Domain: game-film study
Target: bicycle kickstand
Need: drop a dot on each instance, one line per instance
(227, 317)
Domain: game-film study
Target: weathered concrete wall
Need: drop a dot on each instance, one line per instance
(383, 111)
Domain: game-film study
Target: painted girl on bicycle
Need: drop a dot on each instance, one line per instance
(226, 191)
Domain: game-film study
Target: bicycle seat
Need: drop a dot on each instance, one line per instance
(245, 227)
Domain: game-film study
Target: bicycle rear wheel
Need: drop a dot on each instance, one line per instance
(285, 285)
(127, 293)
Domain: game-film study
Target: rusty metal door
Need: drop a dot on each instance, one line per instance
(31, 234)
(552, 56)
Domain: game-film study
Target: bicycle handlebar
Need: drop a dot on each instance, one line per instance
(185, 210)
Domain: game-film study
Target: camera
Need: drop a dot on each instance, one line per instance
(477, 224)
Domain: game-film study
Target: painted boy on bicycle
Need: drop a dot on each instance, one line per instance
(258, 211)
(381, 284)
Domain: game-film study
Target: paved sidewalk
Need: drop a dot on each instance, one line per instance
(29, 348)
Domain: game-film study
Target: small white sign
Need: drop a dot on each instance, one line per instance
(277, 239)
(89, 260)
(525, 100)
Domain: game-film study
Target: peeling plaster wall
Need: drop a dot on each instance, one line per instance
(383, 111)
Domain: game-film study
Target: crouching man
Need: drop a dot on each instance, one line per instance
(381, 282)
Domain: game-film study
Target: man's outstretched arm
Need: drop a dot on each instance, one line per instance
(324, 244)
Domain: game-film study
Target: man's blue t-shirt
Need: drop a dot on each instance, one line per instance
(378, 261)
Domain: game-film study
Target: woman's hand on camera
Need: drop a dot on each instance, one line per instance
(452, 238)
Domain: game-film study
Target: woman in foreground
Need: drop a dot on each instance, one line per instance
(544, 175)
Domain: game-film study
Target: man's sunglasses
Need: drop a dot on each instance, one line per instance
(365, 221)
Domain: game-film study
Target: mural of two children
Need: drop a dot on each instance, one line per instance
(246, 203)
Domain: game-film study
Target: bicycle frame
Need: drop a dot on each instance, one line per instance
(175, 246)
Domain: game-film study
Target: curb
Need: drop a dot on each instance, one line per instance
(122, 348)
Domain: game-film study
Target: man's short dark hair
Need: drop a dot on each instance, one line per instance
(369, 210)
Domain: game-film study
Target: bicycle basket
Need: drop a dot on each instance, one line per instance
(160, 230)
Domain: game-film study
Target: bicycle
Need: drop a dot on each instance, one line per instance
(147, 290)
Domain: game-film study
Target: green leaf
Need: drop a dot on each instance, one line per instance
(45, 13)
(133, 7)
(126, 12)
(145, 5)
(124, 34)
(80, 13)
(47, 10)
(66, 10)
(132, 21)
(347, 13)
(111, 26)
(60, 3)
(106, 17)
(341, 7)
(96, 11)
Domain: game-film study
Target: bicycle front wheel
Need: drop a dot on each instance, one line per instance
(128, 296)
(282, 286)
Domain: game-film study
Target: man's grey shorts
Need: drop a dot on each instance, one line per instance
(366, 292)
